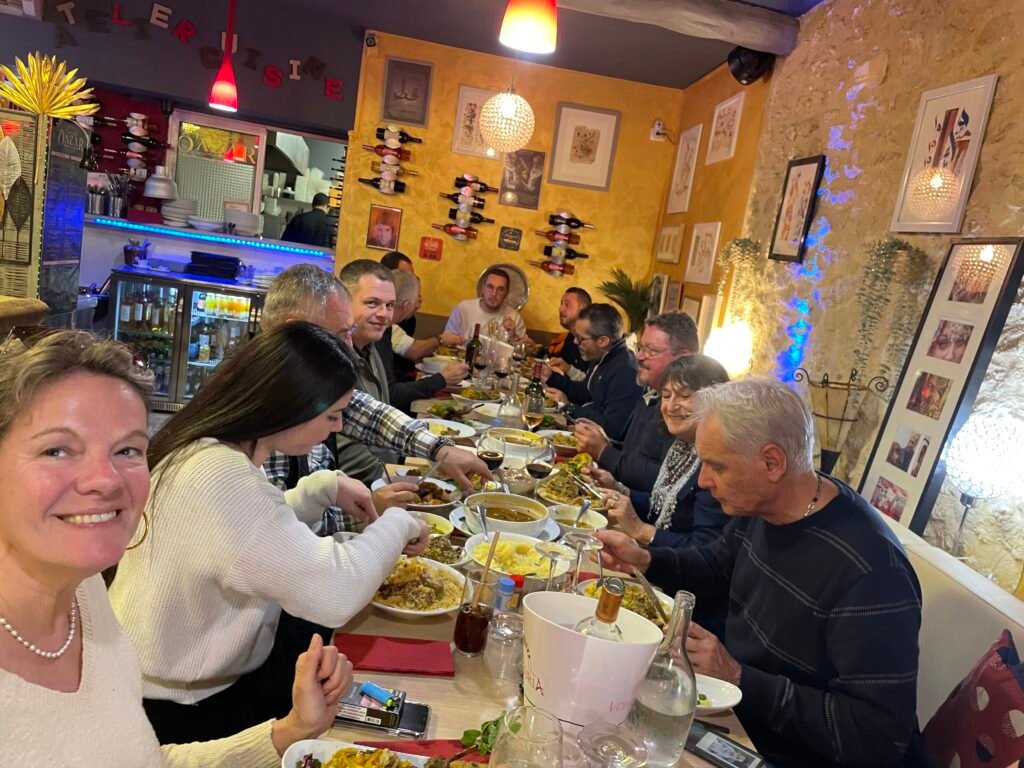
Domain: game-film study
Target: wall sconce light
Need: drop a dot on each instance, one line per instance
(933, 193)
(530, 26)
(733, 346)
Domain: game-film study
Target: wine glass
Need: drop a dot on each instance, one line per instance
(519, 353)
(555, 554)
(501, 368)
(491, 457)
(528, 737)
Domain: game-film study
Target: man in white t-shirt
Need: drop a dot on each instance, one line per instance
(490, 307)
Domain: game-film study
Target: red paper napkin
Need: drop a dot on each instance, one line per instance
(427, 747)
(397, 654)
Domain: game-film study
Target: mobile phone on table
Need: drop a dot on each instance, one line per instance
(720, 750)
(413, 720)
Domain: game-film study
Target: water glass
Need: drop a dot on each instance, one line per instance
(528, 737)
(503, 656)
(611, 746)
(472, 621)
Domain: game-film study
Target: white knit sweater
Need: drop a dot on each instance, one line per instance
(102, 724)
(226, 551)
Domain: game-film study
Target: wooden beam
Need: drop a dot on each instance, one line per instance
(733, 22)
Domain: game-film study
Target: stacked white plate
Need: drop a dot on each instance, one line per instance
(246, 224)
(263, 279)
(206, 225)
(176, 212)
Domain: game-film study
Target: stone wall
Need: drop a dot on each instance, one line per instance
(851, 91)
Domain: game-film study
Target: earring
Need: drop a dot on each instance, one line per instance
(145, 532)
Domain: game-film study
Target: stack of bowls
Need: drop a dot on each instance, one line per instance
(176, 212)
(246, 224)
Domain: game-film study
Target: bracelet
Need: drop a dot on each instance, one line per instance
(442, 442)
(621, 488)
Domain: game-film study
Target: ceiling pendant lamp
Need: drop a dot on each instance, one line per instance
(530, 26)
(224, 93)
(506, 121)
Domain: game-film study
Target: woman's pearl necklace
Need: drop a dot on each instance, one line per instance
(39, 651)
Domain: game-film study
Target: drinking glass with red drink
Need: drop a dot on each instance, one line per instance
(475, 611)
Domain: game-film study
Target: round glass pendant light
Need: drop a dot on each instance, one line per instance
(933, 193)
(506, 121)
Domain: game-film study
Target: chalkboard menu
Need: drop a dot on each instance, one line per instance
(63, 216)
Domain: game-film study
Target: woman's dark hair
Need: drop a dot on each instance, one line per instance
(695, 372)
(280, 379)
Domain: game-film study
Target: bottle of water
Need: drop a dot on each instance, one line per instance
(665, 704)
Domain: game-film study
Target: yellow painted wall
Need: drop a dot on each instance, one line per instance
(720, 190)
(626, 216)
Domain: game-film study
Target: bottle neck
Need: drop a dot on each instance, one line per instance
(608, 607)
(678, 622)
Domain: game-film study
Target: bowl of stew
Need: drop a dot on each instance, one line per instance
(565, 516)
(507, 513)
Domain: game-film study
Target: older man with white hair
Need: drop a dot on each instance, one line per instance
(823, 606)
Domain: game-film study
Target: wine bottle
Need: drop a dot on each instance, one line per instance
(147, 141)
(553, 268)
(455, 197)
(535, 388)
(394, 132)
(555, 219)
(122, 153)
(459, 233)
(475, 217)
(569, 253)
(473, 183)
(380, 149)
(602, 624)
(378, 167)
(384, 185)
(558, 237)
(474, 347)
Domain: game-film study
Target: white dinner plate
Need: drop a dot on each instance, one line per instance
(437, 509)
(324, 749)
(407, 614)
(550, 531)
(721, 695)
(464, 430)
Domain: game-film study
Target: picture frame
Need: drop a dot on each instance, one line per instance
(659, 288)
(672, 293)
(725, 128)
(670, 243)
(948, 134)
(682, 172)
(383, 227)
(405, 96)
(690, 306)
(796, 208)
(935, 393)
(466, 138)
(583, 152)
(522, 177)
(700, 265)
(706, 317)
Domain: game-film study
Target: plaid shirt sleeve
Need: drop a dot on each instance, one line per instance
(276, 469)
(375, 423)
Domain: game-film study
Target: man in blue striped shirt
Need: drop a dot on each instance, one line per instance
(823, 606)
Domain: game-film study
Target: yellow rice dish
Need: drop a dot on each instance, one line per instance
(515, 557)
(418, 585)
(357, 758)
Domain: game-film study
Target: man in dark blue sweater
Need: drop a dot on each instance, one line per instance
(823, 606)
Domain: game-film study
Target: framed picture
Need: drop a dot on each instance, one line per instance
(703, 247)
(584, 150)
(466, 138)
(522, 174)
(961, 325)
(706, 317)
(406, 96)
(670, 242)
(725, 127)
(691, 307)
(675, 288)
(796, 209)
(943, 153)
(383, 227)
(659, 287)
(682, 174)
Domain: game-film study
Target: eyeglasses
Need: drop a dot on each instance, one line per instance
(648, 351)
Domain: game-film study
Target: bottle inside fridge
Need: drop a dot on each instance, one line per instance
(217, 325)
(145, 321)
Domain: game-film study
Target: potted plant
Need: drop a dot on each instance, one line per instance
(633, 297)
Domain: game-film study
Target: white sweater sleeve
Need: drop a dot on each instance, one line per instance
(251, 748)
(312, 493)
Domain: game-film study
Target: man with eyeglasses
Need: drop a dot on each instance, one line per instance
(610, 392)
(635, 462)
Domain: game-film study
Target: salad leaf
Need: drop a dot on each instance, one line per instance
(483, 739)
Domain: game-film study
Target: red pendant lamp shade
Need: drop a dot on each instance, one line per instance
(224, 94)
(530, 26)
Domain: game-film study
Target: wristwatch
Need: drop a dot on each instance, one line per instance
(442, 442)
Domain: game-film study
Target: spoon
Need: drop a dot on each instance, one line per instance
(482, 513)
(583, 510)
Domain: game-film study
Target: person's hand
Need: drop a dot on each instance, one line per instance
(621, 552)
(454, 373)
(556, 394)
(621, 513)
(356, 499)
(419, 543)
(509, 324)
(394, 495)
(590, 437)
(559, 365)
(545, 372)
(459, 465)
(449, 339)
(602, 478)
(709, 657)
(322, 675)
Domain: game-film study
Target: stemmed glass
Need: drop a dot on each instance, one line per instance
(534, 410)
(528, 737)
(555, 553)
(583, 544)
(519, 353)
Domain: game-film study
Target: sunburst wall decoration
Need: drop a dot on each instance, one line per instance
(46, 87)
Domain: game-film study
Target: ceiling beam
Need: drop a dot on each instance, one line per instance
(732, 22)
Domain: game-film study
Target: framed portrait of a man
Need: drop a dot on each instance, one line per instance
(383, 227)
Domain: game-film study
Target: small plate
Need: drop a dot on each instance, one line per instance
(722, 695)
(437, 426)
(561, 450)
(437, 509)
(457, 517)
(324, 749)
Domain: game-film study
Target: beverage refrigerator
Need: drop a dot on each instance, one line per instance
(182, 327)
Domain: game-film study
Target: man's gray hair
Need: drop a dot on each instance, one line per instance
(301, 293)
(755, 412)
(681, 331)
(352, 272)
(605, 320)
(407, 285)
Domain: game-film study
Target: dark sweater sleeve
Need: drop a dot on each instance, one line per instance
(620, 395)
(576, 391)
(630, 467)
(866, 716)
(404, 393)
(706, 571)
(641, 501)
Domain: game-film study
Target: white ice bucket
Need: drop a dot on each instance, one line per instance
(580, 679)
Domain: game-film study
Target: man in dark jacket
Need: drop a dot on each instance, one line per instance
(312, 227)
(563, 348)
(610, 392)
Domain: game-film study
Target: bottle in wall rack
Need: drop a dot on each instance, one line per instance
(473, 183)
(378, 167)
(457, 232)
(380, 149)
(553, 268)
(387, 186)
(455, 197)
(394, 132)
(476, 218)
(558, 237)
(569, 253)
(557, 219)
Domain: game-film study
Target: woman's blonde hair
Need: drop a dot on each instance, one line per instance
(28, 366)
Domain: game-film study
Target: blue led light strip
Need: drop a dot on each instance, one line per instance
(203, 236)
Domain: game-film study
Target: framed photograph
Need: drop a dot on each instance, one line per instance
(706, 317)
(682, 173)
(522, 174)
(466, 138)
(383, 227)
(584, 148)
(968, 306)
(672, 296)
(799, 194)
(406, 96)
(703, 247)
(691, 307)
(670, 242)
(725, 127)
(943, 153)
(659, 288)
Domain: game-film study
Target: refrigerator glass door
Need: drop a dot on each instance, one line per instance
(145, 319)
(218, 324)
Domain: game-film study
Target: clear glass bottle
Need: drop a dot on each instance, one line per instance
(665, 704)
(602, 623)
(510, 412)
